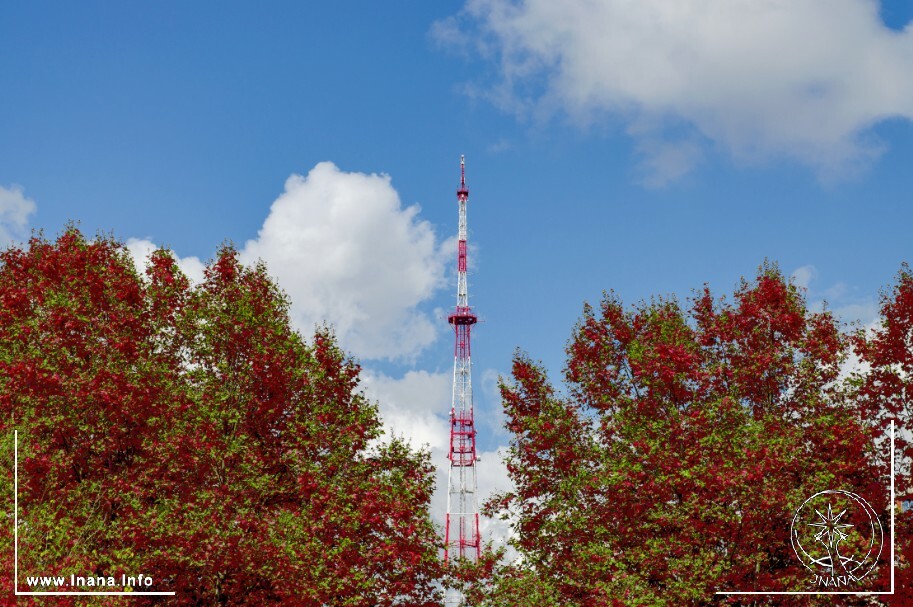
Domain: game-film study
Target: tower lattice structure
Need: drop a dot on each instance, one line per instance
(462, 538)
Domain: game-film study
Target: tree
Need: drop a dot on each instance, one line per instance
(886, 393)
(188, 434)
(674, 464)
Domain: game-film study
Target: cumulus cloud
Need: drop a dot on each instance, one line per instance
(802, 79)
(346, 250)
(349, 254)
(493, 478)
(141, 248)
(15, 209)
(416, 406)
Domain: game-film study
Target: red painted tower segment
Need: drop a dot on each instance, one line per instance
(462, 538)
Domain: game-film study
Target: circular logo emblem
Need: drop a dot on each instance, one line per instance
(837, 536)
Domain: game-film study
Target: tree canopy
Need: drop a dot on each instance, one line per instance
(686, 440)
(187, 433)
(885, 391)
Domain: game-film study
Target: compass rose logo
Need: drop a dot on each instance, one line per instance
(837, 536)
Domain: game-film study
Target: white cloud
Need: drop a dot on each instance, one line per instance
(863, 313)
(347, 252)
(493, 477)
(842, 300)
(666, 161)
(15, 209)
(804, 275)
(141, 248)
(853, 311)
(803, 79)
(414, 407)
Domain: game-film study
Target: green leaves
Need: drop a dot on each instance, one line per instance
(188, 433)
(687, 440)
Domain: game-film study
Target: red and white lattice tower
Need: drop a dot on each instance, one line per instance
(462, 538)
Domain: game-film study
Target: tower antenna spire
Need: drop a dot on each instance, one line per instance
(462, 538)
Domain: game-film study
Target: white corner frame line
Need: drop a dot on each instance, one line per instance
(16, 545)
(891, 507)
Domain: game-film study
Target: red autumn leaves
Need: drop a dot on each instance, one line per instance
(189, 434)
(686, 440)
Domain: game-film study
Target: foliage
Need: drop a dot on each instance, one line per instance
(886, 393)
(187, 433)
(674, 464)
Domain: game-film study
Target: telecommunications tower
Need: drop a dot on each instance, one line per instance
(462, 538)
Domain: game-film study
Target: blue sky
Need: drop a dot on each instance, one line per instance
(647, 150)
